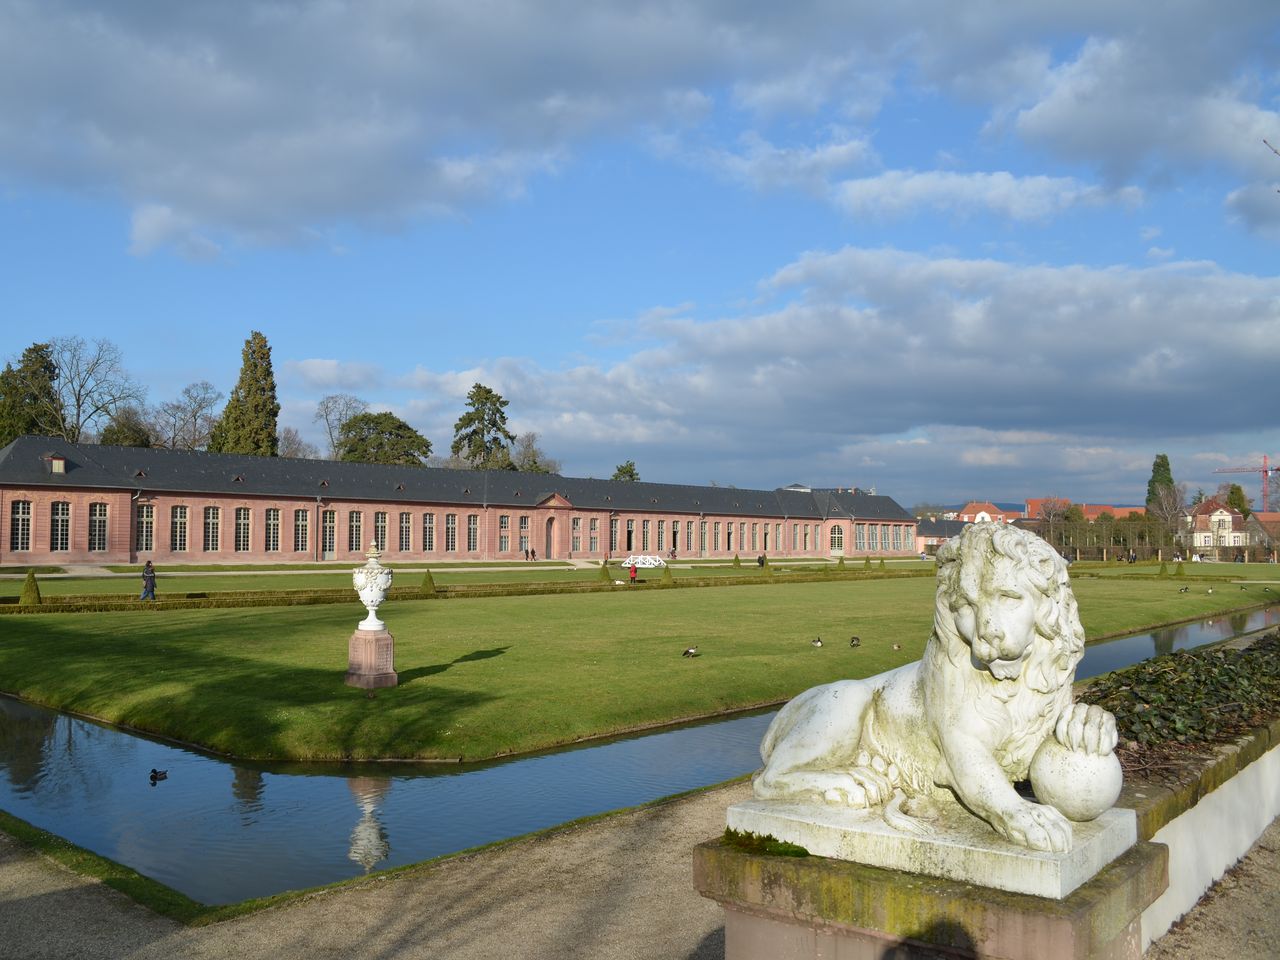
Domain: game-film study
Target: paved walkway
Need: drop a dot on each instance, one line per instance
(615, 889)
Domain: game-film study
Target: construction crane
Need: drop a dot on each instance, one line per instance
(1266, 470)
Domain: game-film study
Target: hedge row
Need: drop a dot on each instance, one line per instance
(86, 603)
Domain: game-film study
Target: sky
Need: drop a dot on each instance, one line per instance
(943, 250)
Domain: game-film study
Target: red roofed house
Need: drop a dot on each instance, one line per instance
(976, 511)
(1212, 524)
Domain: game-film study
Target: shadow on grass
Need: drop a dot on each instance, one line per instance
(407, 676)
(249, 706)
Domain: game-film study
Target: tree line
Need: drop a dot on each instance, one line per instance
(80, 391)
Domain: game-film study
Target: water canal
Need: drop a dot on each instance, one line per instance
(222, 831)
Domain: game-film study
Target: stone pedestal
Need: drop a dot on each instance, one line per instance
(807, 908)
(371, 659)
(961, 847)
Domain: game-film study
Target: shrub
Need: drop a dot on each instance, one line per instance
(605, 576)
(666, 576)
(736, 561)
(1177, 571)
(767, 568)
(880, 565)
(866, 563)
(428, 583)
(840, 564)
(1164, 569)
(30, 590)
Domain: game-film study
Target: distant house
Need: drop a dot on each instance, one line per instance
(976, 511)
(1212, 525)
(1091, 511)
(1264, 530)
(933, 532)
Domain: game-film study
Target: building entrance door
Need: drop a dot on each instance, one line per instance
(551, 528)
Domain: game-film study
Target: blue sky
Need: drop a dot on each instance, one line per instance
(945, 250)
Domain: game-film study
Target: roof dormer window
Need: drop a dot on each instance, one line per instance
(57, 464)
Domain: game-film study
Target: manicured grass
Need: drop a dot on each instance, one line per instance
(484, 677)
(1215, 571)
(171, 581)
(327, 565)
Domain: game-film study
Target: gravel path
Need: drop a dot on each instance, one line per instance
(616, 889)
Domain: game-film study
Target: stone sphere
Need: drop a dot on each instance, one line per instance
(1082, 786)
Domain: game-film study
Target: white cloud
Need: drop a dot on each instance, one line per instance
(280, 121)
(989, 457)
(870, 360)
(764, 166)
(328, 375)
(899, 193)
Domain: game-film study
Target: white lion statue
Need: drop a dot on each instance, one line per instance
(964, 722)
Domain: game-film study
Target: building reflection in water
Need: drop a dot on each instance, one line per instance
(246, 787)
(369, 844)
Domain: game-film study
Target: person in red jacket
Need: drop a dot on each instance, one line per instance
(633, 574)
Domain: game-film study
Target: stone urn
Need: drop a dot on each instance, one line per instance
(371, 649)
(372, 581)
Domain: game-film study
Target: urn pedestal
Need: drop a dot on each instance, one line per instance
(371, 659)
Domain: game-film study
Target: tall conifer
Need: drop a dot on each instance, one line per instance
(248, 423)
(1161, 476)
(28, 399)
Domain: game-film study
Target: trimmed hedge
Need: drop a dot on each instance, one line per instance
(284, 598)
(30, 591)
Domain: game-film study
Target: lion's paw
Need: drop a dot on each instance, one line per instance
(1035, 826)
(858, 787)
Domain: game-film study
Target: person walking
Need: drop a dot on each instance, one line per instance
(148, 582)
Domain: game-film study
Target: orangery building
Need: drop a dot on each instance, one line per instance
(68, 503)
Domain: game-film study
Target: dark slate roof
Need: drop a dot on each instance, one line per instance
(26, 462)
(928, 527)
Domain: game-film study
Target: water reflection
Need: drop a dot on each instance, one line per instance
(222, 832)
(24, 738)
(369, 844)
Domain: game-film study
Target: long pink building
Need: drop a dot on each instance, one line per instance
(84, 503)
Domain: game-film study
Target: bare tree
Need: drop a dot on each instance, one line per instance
(527, 455)
(187, 422)
(1168, 507)
(335, 410)
(292, 445)
(91, 385)
(1053, 514)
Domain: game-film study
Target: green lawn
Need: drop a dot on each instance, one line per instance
(306, 579)
(483, 677)
(1220, 571)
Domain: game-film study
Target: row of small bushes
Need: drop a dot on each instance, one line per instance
(31, 602)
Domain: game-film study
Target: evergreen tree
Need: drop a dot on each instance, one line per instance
(481, 436)
(248, 423)
(604, 576)
(428, 583)
(381, 438)
(127, 428)
(626, 471)
(666, 576)
(1236, 500)
(30, 596)
(28, 398)
(1161, 476)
